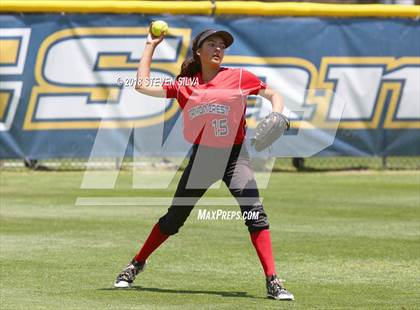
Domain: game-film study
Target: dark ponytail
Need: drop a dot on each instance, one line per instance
(190, 67)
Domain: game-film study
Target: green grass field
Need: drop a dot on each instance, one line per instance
(341, 240)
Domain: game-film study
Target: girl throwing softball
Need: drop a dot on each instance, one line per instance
(214, 122)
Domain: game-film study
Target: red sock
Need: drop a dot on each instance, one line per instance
(155, 239)
(262, 243)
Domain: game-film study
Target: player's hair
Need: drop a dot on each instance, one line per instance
(192, 65)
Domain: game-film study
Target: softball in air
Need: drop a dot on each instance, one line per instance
(159, 27)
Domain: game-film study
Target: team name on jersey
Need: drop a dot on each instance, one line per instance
(208, 108)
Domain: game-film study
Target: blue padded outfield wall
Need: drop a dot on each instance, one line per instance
(63, 76)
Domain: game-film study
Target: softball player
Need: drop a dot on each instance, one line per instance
(214, 122)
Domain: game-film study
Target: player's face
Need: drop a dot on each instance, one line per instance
(212, 51)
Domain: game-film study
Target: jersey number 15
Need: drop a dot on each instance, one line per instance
(220, 127)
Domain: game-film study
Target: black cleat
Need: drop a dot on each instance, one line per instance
(276, 289)
(129, 273)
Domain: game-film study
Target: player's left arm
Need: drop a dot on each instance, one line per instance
(275, 98)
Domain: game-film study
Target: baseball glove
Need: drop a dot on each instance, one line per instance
(269, 130)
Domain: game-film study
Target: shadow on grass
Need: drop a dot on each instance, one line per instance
(165, 290)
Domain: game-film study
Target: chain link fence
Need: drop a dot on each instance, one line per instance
(278, 164)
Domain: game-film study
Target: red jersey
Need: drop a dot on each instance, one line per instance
(214, 112)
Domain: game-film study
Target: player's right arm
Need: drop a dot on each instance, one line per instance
(143, 71)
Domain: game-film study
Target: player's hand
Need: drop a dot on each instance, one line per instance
(151, 39)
